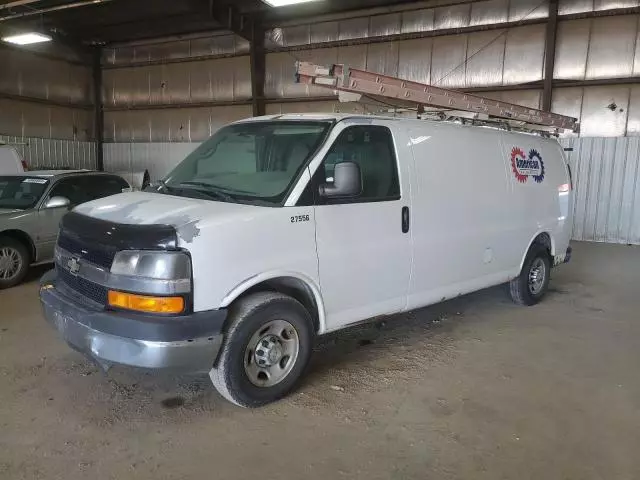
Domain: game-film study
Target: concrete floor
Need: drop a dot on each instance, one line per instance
(475, 388)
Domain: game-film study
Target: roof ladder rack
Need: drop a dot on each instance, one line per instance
(342, 78)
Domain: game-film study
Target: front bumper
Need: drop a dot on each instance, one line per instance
(189, 342)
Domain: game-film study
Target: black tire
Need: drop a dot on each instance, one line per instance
(248, 317)
(521, 289)
(24, 258)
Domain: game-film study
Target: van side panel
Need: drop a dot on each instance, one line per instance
(10, 161)
(539, 200)
(460, 218)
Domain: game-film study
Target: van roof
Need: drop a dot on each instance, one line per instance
(413, 121)
(311, 116)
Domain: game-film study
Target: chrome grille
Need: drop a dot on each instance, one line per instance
(84, 287)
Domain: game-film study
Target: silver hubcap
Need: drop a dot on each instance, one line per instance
(271, 353)
(10, 263)
(537, 275)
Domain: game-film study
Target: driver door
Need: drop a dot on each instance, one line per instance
(363, 245)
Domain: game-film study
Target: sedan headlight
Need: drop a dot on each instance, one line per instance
(152, 265)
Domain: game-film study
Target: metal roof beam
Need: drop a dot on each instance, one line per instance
(232, 19)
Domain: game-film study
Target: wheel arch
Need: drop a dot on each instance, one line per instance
(543, 238)
(24, 238)
(294, 284)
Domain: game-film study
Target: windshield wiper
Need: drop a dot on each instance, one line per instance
(209, 190)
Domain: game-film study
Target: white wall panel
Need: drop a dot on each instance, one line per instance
(355, 56)
(599, 117)
(169, 125)
(633, 120)
(485, 58)
(417, 21)
(599, 5)
(25, 74)
(568, 101)
(221, 79)
(568, 7)
(489, 12)
(572, 46)
(636, 57)
(414, 60)
(447, 60)
(301, 35)
(353, 28)
(383, 25)
(454, 16)
(28, 119)
(383, 58)
(611, 47)
(524, 54)
(53, 153)
(606, 174)
(320, 33)
(159, 51)
(527, 10)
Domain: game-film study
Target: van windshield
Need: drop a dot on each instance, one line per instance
(253, 162)
(21, 192)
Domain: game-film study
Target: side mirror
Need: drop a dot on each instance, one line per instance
(347, 181)
(57, 202)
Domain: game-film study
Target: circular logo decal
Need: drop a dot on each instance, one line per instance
(527, 166)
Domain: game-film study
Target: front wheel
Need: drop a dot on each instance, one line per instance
(14, 262)
(266, 349)
(532, 283)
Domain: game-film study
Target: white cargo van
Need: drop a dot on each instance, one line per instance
(10, 160)
(281, 228)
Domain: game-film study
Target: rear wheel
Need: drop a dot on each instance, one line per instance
(532, 283)
(14, 262)
(265, 351)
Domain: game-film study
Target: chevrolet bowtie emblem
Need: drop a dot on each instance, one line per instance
(73, 265)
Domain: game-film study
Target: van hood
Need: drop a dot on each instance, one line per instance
(187, 215)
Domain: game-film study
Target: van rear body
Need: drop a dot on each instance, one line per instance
(10, 160)
(267, 222)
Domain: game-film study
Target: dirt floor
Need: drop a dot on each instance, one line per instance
(475, 388)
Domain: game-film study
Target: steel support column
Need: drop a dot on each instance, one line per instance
(98, 123)
(258, 65)
(550, 55)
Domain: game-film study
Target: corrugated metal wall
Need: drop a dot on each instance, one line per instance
(54, 153)
(158, 158)
(29, 119)
(220, 80)
(606, 173)
(45, 106)
(44, 78)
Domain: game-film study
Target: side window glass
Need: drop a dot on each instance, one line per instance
(71, 188)
(99, 186)
(371, 147)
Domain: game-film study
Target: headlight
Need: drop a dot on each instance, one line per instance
(152, 265)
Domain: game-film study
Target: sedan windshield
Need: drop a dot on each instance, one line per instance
(248, 162)
(21, 192)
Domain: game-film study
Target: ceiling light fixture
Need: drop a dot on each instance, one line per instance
(285, 3)
(28, 38)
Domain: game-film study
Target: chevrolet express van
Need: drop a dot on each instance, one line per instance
(10, 160)
(281, 228)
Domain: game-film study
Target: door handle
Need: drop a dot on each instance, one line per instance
(405, 219)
